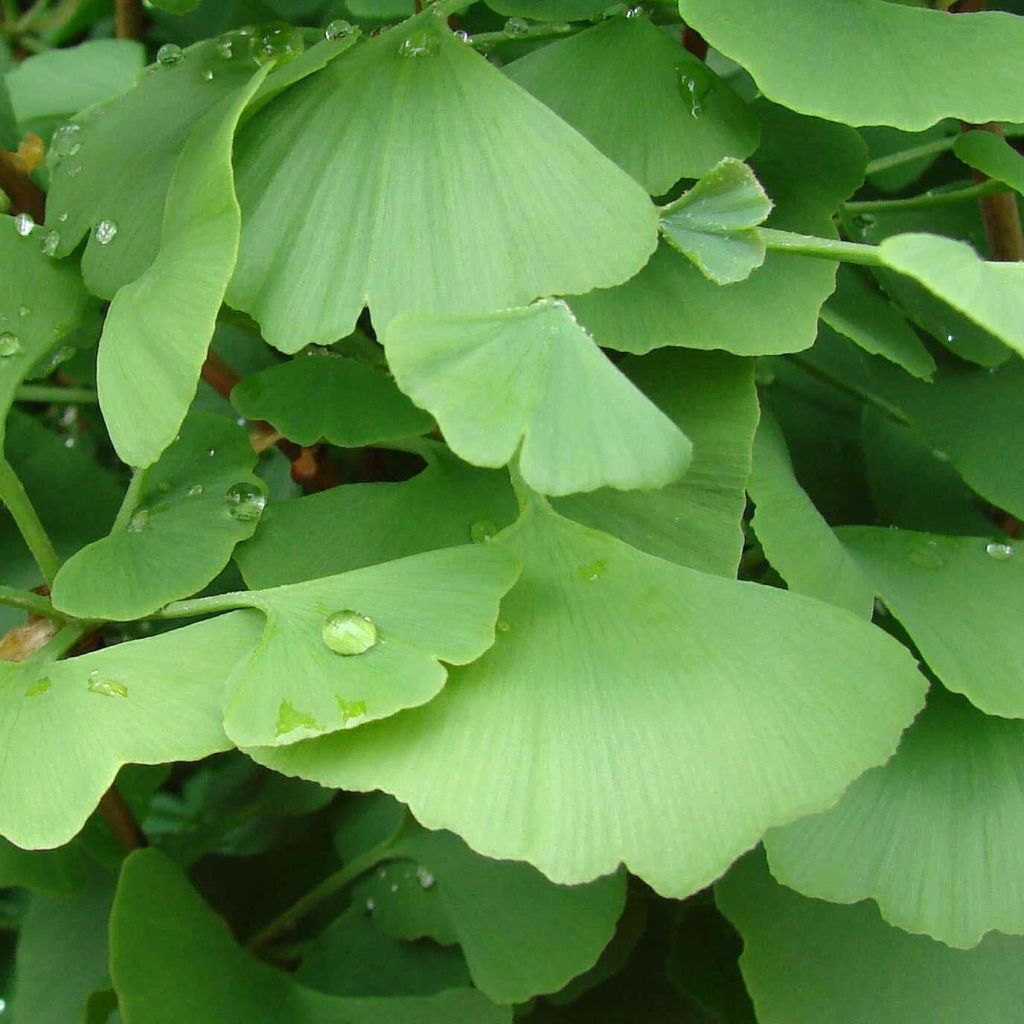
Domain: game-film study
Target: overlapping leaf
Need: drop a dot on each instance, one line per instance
(633, 711)
(506, 203)
(533, 376)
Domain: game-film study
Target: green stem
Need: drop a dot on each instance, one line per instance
(13, 495)
(329, 887)
(130, 501)
(813, 370)
(536, 33)
(821, 248)
(59, 645)
(924, 149)
(927, 200)
(204, 606)
(61, 396)
(34, 604)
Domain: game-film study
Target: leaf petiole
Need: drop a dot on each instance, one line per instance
(61, 396)
(34, 604)
(927, 200)
(821, 248)
(14, 496)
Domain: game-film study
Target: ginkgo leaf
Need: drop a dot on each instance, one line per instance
(797, 540)
(714, 223)
(655, 109)
(344, 650)
(533, 375)
(937, 56)
(806, 961)
(68, 726)
(159, 327)
(40, 302)
(695, 521)
(960, 599)
(186, 506)
(462, 234)
(990, 294)
(808, 167)
(185, 966)
(332, 398)
(117, 166)
(936, 830)
(521, 934)
(633, 711)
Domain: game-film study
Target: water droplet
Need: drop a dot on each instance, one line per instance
(593, 571)
(950, 339)
(169, 54)
(23, 224)
(139, 520)
(207, 75)
(38, 688)
(462, 35)
(515, 28)
(62, 217)
(277, 41)
(349, 633)
(419, 44)
(51, 240)
(635, 12)
(226, 47)
(105, 687)
(425, 878)
(482, 531)
(338, 29)
(289, 719)
(370, 905)
(245, 501)
(211, 452)
(104, 231)
(695, 82)
(195, 490)
(64, 140)
(70, 442)
(926, 555)
(999, 550)
(10, 345)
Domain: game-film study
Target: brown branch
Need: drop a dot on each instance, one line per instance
(695, 43)
(25, 195)
(1000, 213)
(118, 815)
(128, 22)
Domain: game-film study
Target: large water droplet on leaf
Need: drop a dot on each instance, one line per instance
(51, 240)
(23, 224)
(245, 501)
(348, 633)
(338, 29)
(105, 687)
(9, 344)
(515, 28)
(277, 41)
(65, 140)
(999, 550)
(169, 54)
(419, 44)
(104, 231)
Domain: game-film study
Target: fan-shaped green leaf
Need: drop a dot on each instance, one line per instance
(158, 328)
(936, 830)
(172, 960)
(960, 599)
(633, 711)
(533, 375)
(66, 727)
(806, 961)
(849, 78)
(696, 520)
(310, 675)
(465, 232)
(797, 540)
(444, 506)
(337, 399)
(808, 167)
(182, 507)
(993, 156)
(655, 109)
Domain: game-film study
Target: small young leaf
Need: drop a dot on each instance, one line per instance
(993, 156)
(183, 507)
(534, 376)
(331, 398)
(714, 224)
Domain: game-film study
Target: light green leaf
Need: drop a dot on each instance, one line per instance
(55, 84)
(961, 599)
(173, 960)
(332, 398)
(863, 314)
(521, 934)
(993, 156)
(797, 541)
(59, 872)
(937, 56)
(696, 520)
(714, 223)
(990, 294)
(182, 507)
(127, 154)
(411, 615)
(40, 302)
(158, 328)
(808, 167)
(655, 109)
(806, 961)
(533, 375)
(633, 711)
(507, 203)
(66, 728)
(444, 506)
(936, 830)
(404, 909)
(550, 10)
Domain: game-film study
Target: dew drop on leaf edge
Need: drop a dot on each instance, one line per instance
(349, 633)
(169, 54)
(23, 224)
(338, 29)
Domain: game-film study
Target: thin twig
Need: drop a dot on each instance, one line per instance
(128, 22)
(695, 43)
(118, 815)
